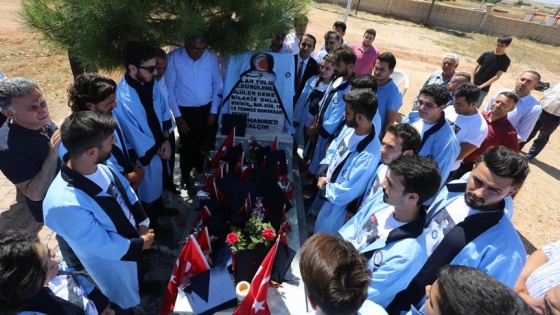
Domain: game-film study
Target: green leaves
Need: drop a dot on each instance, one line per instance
(95, 30)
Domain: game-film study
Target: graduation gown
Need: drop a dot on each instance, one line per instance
(438, 143)
(352, 172)
(330, 121)
(135, 123)
(98, 231)
(393, 259)
(498, 251)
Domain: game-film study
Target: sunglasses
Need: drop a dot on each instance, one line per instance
(149, 68)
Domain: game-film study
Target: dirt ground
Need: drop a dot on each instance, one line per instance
(418, 51)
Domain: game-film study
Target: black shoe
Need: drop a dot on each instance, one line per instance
(172, 188)
(167, 212)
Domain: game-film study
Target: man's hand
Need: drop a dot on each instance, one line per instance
(182, 125)
(165, 150)
(538, 305)
(211, 119)
(148, 239)
(143, 230)
(321, 181)
(107, 311)
(55, 141)
(136, 176)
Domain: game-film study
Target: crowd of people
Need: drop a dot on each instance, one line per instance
(409, 217)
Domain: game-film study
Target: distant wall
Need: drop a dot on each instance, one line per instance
(459, 19)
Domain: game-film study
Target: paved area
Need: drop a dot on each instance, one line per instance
(14, 214)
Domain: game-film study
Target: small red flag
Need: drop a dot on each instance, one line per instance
(226, 145)
(255, 302)
(191, 261)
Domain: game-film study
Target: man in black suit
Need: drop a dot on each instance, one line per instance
(306, 67)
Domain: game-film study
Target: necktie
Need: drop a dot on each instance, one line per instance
(299, 74)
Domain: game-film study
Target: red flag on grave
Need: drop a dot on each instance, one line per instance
(255, 302)
(202, 218)
(226, 145)
(274, 145)
(203, 239)
(191, 261)
(247, 205)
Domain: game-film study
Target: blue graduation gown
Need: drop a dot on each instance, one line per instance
(302, 108)
(394, 259)
(330, 120)
(498, 251)
(97, 230)
(440, 146)
(349, 183)
(134, 122)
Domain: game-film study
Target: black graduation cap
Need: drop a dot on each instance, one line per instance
(232, 120)
(248, 261)
(273, 196)
(217, 224)
(240, 190)
(282, 262)
(217, 279)
(273, 158)
(232, 155)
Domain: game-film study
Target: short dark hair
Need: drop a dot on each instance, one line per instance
(135, 53)
(335, 274)
(84, 130)
(334, 34)
(160, 53)
(22, 273)
(388, 58)
(340, 24)
(201, 37)
(345, 54)
(504, 162)
(312, 38)
(439, 93)
(409, 135)
(505, 39)
(465, 75)
(15, 87)
(512, 96)
(535, 73)
(364, 81)
(466, 290)
(89, 88)
(421, 175)
(370, 31)
(362, 101)
(469, 91)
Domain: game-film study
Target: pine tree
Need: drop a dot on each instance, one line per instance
(95, 30)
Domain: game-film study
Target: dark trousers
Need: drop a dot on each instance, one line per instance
(545, 126)
(169, 166)
(199, 138)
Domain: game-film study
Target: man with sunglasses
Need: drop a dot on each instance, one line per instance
(194, 85)
(145, 121)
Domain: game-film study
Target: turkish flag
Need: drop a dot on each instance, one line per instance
(226, 145)
(203, 239)
(274, 146)
(201, 218)
(255, 302)
(247, 205)
(190, 262)
(219, 174)
(239, 164)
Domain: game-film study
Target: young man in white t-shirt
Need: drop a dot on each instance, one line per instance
(470, 127)
(387, 231)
